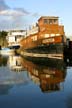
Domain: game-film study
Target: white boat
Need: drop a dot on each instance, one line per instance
(7, 51)
(14, 37)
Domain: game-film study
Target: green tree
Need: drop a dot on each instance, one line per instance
(3, 41)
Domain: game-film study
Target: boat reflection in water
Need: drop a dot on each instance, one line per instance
(68, 61)
(3, 60)
(14, 63)
(49, 76)
(11, 73)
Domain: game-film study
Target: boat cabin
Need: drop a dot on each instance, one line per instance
(14, 37)
(48, 20)
(48, 31)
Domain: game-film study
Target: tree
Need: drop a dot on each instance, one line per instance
(3, 41)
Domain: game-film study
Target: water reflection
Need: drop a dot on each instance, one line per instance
(3, 60)
(68, 61)
(49, 74)
(10, 68)
(35, 83)
(4, 89)
(14, 63)
(48, 77)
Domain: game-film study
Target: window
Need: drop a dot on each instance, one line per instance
(45, 21)
(50, 21)
(55, 21)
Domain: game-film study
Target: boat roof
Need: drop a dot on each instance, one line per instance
(16, 30)
(48, 17)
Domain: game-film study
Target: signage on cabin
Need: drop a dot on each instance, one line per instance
(50, 40)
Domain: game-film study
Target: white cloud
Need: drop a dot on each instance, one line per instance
(12, 12)
(25, 12)
(11, 18)
(14, 18)
(7, 11)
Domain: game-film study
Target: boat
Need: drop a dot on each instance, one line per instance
(13, 38)
(44, 39)
(7, 51)
(14, 46)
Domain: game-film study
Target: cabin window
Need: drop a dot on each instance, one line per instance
(46, 35)
(45, 21)
(34, 38)
(50, 21)
(55, 21)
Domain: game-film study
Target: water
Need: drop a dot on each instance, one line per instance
(26, 83)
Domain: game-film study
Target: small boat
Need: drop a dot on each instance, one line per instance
(6, 51)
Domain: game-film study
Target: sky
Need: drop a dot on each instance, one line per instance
(19, 14)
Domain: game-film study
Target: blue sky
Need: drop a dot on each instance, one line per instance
(20, 13)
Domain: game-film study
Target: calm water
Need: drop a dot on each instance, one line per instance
(35, 84)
